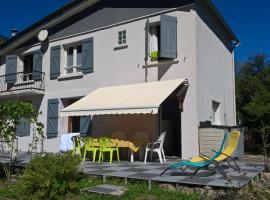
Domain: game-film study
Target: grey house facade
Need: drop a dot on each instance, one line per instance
(100, 43)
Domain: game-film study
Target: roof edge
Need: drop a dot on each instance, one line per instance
(222, 20)
(43, 21)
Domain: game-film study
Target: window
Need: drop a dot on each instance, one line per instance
(74, 59)
(122, 37)
(32, 67)
(28, 67)
(216, 113)
(154, 34)
(161, 39)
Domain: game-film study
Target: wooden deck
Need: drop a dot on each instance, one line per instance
(151, 172)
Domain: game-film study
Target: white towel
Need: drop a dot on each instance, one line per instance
(66, 143)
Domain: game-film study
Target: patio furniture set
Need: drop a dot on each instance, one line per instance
(106, 145)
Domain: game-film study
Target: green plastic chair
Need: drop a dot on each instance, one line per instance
(105, 146)
(76, 145)
(89, 145)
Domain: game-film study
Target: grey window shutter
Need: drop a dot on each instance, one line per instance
(52, 118)
(168, 37)
(11, 68)
(146, 40)
(23, 128)
(55, 62)
(88, 56)
(85, 125)
(37, 66)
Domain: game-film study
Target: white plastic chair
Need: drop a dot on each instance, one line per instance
(156, 147)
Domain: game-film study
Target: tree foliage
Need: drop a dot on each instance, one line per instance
(10, 114)
(253, 98)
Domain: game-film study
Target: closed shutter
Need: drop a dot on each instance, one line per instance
(23, 128)
(55, 62)
(11, 68)
(88, 56)
(37, 66)
(85, 125)
(168, 37)
(52, 118)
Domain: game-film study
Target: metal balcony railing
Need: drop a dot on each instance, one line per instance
(22, 81)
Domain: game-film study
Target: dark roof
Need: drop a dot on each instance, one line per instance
(75, 3)
(44, 20)
(219, 16)
(3, 38)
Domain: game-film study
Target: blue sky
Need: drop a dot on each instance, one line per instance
(248, 19)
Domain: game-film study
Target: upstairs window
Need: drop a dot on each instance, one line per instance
(74, 59)
(154, 34)
(122, 37)
(32, 66)
(161, 39)
(28, 67)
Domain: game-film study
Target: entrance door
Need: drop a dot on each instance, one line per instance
(171, 123)
(74, 121)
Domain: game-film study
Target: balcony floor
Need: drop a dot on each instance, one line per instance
(19, 93)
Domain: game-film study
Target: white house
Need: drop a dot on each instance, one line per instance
(172, 63)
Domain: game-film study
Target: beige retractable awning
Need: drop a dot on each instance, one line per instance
(142, 98)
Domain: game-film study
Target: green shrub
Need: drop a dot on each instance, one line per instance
(50, 177)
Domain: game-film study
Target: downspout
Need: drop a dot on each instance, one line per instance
(233, 83)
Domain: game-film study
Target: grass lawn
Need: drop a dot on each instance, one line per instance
(138, 190)
(135, 190)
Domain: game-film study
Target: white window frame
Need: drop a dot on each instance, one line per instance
(76, 69)
(123, 41)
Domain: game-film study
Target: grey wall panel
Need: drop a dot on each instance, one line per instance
(92, 19)
(109, 12)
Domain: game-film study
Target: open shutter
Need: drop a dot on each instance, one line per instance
(85, 125)
(23, 128)
(37, 66)
(11, 68)
(168, 36)
(52, 118)
(55, 62)
(147, 41)
(88, 56)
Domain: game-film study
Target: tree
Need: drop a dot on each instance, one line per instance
(253, 97)
(11, 113)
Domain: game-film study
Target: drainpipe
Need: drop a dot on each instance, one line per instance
(233, 82)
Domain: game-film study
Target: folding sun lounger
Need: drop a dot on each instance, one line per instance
(201, 164)
(227, 153)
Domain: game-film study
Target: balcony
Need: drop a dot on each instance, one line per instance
(22, 83)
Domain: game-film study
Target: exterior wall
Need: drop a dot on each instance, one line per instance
(215, 72)
(125, 66)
